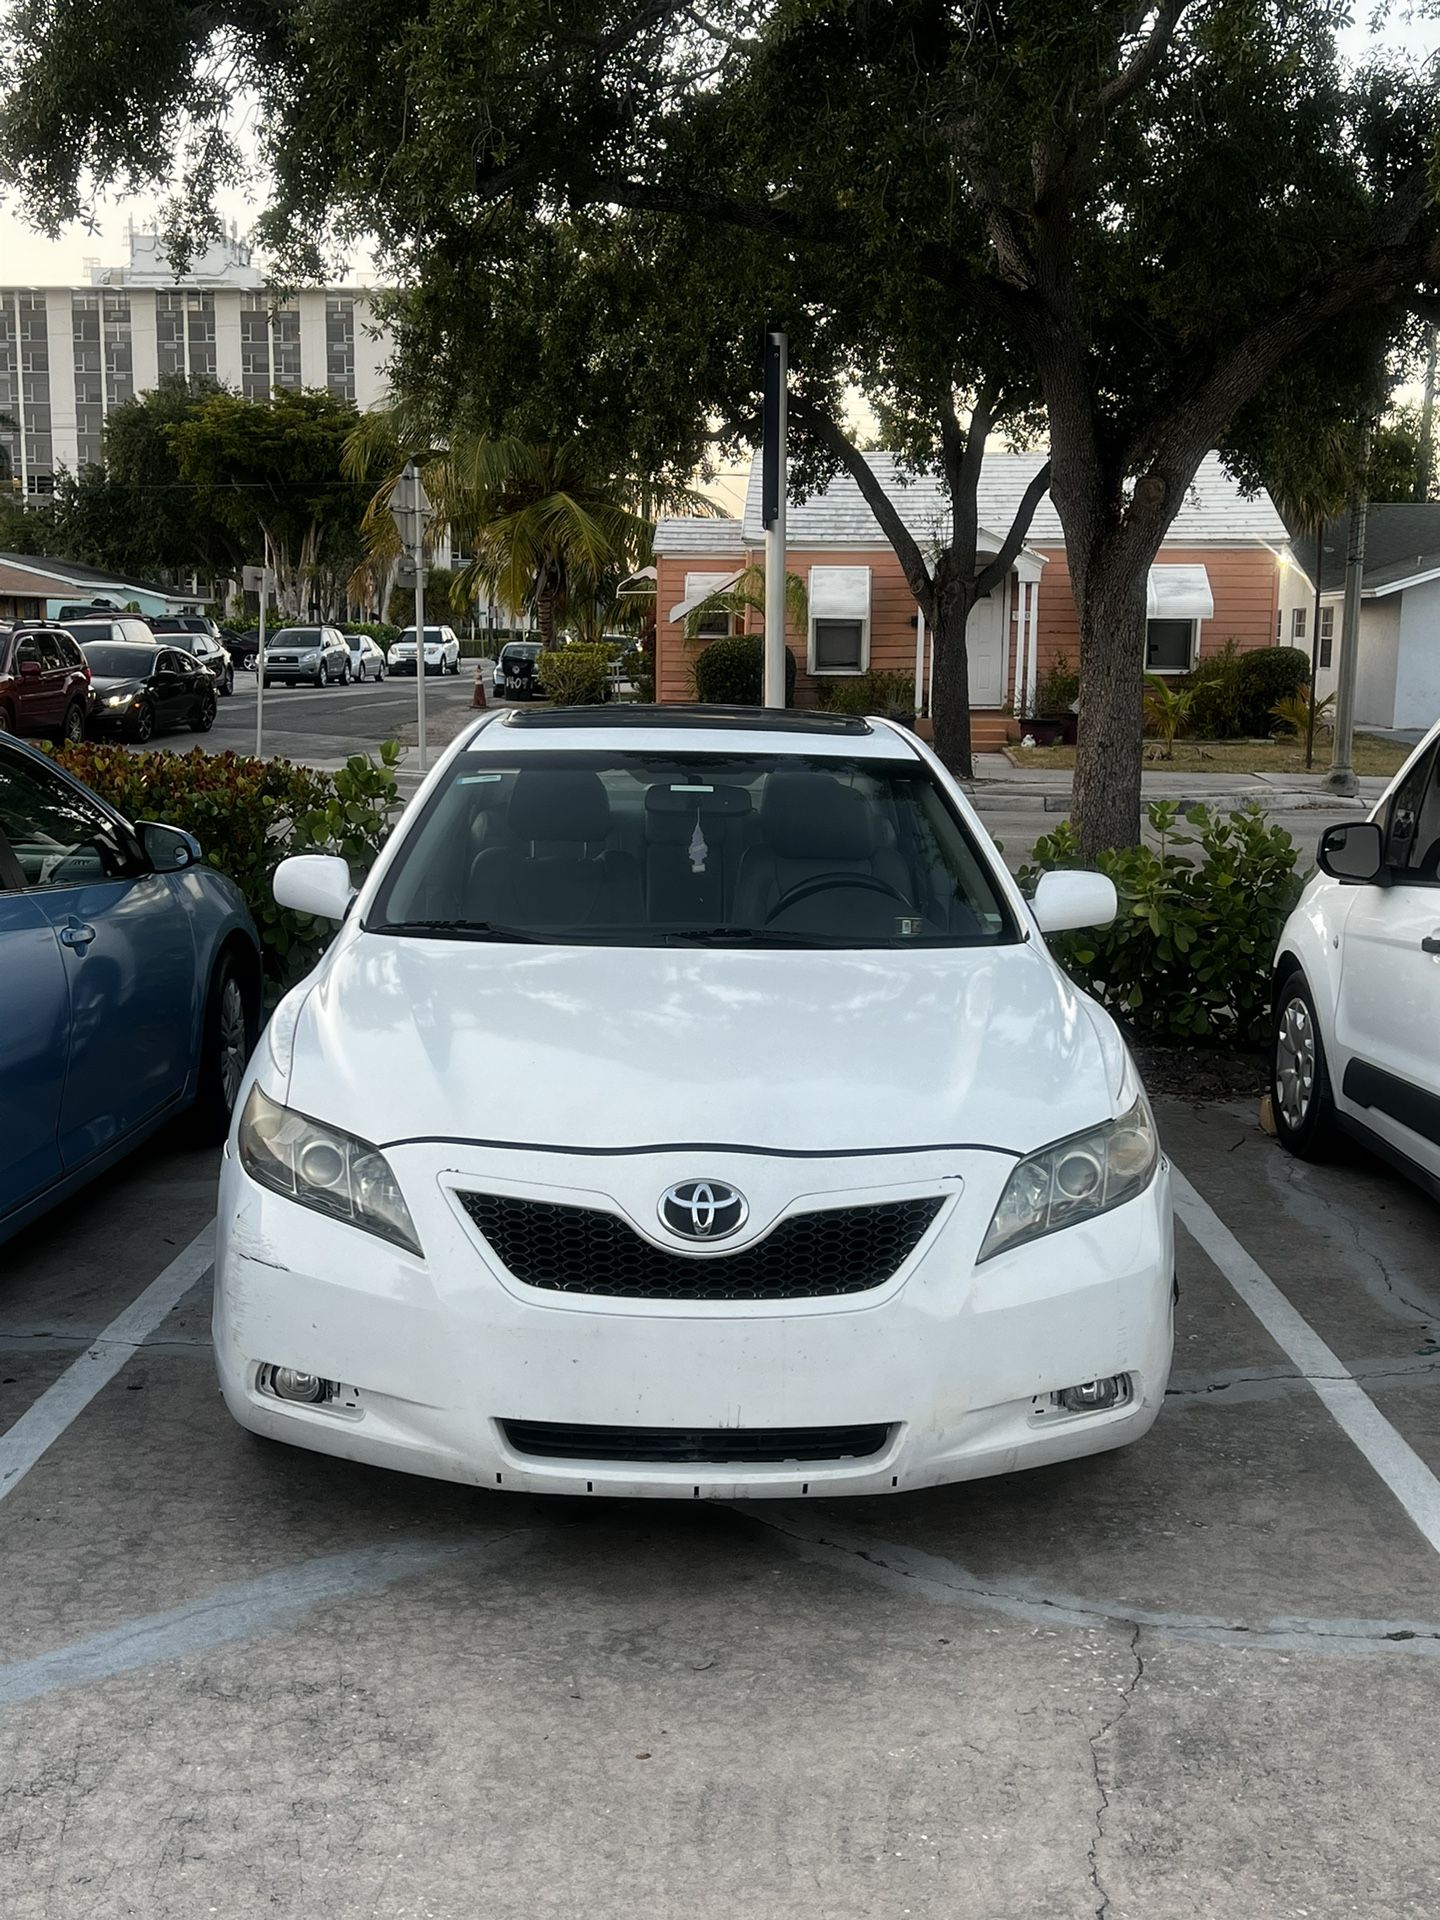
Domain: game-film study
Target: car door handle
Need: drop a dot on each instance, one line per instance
(78, 937)
(1431, 945)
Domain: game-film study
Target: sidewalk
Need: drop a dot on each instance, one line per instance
(1000, 784)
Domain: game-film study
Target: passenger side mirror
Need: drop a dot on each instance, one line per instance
(1354, 850)
(29, 669)
(1069, 898)
(168, 849)
(315, 883)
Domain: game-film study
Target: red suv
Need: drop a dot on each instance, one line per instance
(44, 683)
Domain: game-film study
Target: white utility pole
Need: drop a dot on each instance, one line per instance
(773, 515)
(260, 658)
(412, 513)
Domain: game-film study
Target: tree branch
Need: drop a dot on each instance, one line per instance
(830, 436)
(995, 570)
(1143, 62)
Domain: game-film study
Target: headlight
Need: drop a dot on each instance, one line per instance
(118, 699)
(320, 1167)
(1076, 1179)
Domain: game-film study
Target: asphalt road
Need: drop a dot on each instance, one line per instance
(1194, 1678)
(322, 725)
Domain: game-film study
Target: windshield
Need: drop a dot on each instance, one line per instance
(295, 637)
(510, 655)
(433, 637)
(646, 849)
(120, 663)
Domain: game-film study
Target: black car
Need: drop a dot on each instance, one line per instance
(198, 634)
(243, 648)
(517, 670)
(141, 690)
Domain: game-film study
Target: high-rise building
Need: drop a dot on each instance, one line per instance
(68, 355)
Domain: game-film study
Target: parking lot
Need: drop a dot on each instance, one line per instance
(1192, 1678)
(321, 725)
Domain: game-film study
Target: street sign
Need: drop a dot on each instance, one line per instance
(410, 507)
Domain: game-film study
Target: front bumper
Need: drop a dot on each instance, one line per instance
(433, 1355)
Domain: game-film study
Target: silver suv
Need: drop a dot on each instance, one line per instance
(313, 654)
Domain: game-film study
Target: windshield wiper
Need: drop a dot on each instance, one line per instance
(453, 929)
(744, 937)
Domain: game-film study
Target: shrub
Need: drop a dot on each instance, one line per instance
(892, 694)
(575, 676)
(1167, 709)
(731, 672)
(248, 815)
(1215, 711)
(1057, 690)
(644, 674)
(1188, 954)
(1292, 716)
(380, 631)
(1268, 675)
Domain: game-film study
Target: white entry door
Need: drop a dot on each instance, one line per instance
(985, 645)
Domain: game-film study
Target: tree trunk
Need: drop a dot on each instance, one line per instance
(950, 682)
(545, 619)
(1106, 804)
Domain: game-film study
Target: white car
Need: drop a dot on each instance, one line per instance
(1357, 984)
(442, 651)
(367, 658)
(689, 1105)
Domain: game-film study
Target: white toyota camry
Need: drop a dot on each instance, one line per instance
(688, 1105)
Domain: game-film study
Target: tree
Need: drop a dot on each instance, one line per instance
(1135, 217)
(269, 472)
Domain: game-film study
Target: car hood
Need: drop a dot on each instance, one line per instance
(404, 1038)
(102, 683)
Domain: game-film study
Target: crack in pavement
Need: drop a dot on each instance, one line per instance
(1418, 1370)
(1296, 1178)
(1102, 1790)
(907, 1569)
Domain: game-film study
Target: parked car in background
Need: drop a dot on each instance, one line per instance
(316, 654)
(140, 691)
(118, 627)
(367, 658)
(1357, 984)
(442, 651)
(137, 971)
(689, 1105)
(198, 634)
(44, 682)
(517, 670)
(242, 647)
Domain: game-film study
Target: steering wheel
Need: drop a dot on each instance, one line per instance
(826, 883)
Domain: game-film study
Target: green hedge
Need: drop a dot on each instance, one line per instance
(892, 694)
(248, 815)
(731, 672)
(1189, 953)
(575, 676)
(1234, 693)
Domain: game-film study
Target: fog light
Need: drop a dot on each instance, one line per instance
(288, 1383)
(1095, 1396)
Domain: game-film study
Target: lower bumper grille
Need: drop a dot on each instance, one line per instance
(712, 1446)
(807, 1256)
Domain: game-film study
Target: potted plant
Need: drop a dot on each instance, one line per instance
(1052, 717)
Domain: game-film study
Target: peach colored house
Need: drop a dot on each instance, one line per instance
(1218, 576)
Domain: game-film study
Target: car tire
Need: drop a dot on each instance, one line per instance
(321, 676)
(6, 724)
(227, 682)
(142, 722)
(226, 1042)
(380, 673)
(1303, 1105)
(205, 719)
(72, 727)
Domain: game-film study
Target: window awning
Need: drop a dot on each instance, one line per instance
(699, 587)
(1179, 593)
(839, 593)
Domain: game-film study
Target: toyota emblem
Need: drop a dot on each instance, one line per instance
(703, 1209)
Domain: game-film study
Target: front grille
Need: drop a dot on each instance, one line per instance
(710, 1446)
(807, 1256)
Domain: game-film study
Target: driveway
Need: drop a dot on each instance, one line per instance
(1193, 1678)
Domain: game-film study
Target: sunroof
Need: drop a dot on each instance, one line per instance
(633, 715)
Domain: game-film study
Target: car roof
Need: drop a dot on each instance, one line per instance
(689, 729)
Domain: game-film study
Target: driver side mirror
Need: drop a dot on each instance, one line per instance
(1354, 850)
(29, 669)
(168, 849)
(1068, 898)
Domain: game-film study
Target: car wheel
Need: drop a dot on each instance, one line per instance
(227, 681)
(345, 674)
(142, 723)
(5, 723)
(226, 1042)
(321, 676)
(204, 720)
(1304, 1108)
(72, 729)
(380, 671)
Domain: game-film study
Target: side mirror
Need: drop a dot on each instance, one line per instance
(29, 669)
(316, 883)
(1354, 850)
(168, 849)
(1069, 898)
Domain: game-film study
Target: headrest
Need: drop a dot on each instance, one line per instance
(554, 805)
(810, 816)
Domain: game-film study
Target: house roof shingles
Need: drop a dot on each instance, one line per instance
(1402, 539)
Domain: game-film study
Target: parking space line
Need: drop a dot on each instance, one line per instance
(1352, 1409)
(42, 1424)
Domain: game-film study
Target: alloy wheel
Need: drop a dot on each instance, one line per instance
(75, 725)
(1295, 1063)
(232, 1041)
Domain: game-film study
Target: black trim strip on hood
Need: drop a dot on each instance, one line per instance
(1400, 1100)
(700, 1146)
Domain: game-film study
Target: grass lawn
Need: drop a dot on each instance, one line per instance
(1219, 756)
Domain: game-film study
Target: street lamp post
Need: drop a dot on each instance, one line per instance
(772, 503)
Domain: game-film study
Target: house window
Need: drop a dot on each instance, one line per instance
(839, 620)
(1169, 646)
(720, 621)
(1297, 624)
(1327, 635)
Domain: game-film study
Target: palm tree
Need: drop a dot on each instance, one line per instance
(746, 595)
(547, 532)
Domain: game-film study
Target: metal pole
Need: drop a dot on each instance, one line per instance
(1341, 777)
(774, 472)
(1314, 648)
(420, 648)
(260, 660)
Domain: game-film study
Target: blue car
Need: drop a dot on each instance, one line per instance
(129, 985)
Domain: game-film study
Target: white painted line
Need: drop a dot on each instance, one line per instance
(42, 1424)
(1394, 1459)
